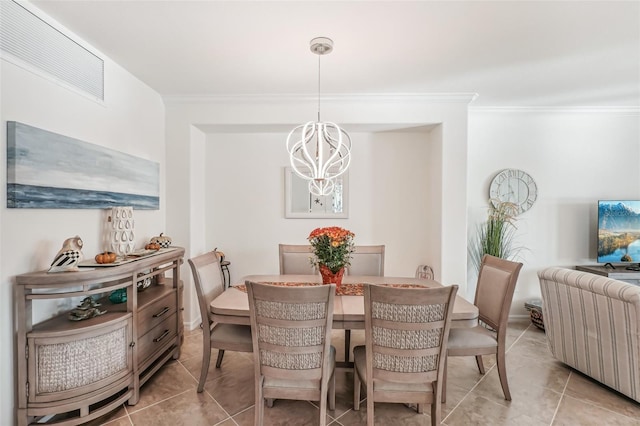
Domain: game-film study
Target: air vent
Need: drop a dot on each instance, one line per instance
(32, 41)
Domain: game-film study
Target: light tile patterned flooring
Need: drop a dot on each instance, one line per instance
(544, 392)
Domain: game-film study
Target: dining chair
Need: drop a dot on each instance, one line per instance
(494, 293)
(209, 282)
(293, 358)
(367, 260)
(406, 332)
(294, 259)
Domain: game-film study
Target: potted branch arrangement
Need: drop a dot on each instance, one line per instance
(496, 236)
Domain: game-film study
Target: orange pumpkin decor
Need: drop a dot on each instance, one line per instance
(106, 257)
(152, 246)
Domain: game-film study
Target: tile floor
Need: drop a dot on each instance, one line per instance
(544, 392)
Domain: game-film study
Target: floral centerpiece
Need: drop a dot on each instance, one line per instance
(332, 248)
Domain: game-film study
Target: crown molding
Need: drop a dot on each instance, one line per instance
(276, 98)
(561, 109)
(425, 98)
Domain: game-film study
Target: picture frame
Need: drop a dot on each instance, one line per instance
(46, 170)
(301, 204)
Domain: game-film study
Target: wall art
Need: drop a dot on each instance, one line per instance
(302, 204)
(51, 171)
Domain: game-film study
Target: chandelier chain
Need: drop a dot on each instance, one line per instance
(319, 56)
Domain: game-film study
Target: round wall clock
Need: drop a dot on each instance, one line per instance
(514, 186)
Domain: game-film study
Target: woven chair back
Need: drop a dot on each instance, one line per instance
(406, 332)
(291, 329)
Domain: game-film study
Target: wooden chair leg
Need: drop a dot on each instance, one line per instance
(444, 381)
(480, 364)
(206, 360)
(270, 402)
(357, 385)
(436, 403)
(420, 408)
(347, 345)
(502, 372)
(436, 412)
(220, 356)
(370, 421)
(323, 409)
(332, 392)
(259, 407)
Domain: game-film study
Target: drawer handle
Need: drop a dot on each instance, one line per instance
(162, 336)
(162, 312)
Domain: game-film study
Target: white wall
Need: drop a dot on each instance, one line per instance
(130, 120)
(576, 158)
(389, 199)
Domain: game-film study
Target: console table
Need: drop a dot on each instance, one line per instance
(71, 372)
(619, 273)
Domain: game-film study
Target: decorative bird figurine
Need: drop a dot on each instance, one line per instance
(85, 310)
(68, 257)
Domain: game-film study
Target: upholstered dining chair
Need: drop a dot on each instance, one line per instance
(207, 277)
(406, 332)
(293, 358)
(294, 259)
(367, 260)
(494, 292)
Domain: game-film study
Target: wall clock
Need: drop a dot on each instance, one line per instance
(514, 186)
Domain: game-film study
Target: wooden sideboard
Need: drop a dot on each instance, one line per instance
(70, 372)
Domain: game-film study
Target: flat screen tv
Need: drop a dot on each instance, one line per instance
(619, 231)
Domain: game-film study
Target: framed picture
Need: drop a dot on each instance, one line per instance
(48, 170)
(302, 204)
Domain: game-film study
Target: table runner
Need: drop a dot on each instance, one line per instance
(343, 290)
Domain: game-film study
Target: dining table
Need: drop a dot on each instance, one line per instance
(232, 305)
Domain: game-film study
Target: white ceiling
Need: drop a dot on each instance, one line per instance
(512, 53)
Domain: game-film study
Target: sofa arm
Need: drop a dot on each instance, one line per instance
(593, 324)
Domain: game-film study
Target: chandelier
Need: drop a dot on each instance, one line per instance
(319, 151)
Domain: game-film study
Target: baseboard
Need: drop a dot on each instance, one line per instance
(518, 317)
(192, 325)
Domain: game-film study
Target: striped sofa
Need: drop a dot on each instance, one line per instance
(593, 325)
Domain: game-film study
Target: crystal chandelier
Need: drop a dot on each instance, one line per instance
(319, 151)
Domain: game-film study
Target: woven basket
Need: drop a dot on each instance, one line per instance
(535, 312)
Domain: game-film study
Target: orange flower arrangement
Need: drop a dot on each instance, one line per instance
(332, 247)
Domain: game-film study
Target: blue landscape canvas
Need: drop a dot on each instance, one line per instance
(618, 231)
(48, 170)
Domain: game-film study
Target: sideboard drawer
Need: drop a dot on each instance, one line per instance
(152, 315)
(157, 337)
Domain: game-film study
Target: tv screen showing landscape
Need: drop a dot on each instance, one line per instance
(618, 231)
